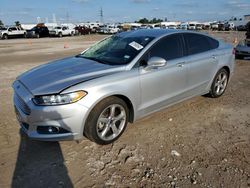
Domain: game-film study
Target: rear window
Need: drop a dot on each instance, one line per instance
(199, 43)
(213, 43)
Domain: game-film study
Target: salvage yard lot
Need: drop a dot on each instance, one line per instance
(212, 136)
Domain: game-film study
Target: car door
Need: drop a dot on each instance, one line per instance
(201, 62)
(165, 85)
(13, 31)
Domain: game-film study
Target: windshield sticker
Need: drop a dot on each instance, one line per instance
(135, 45)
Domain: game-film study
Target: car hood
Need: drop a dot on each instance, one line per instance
(58, 75)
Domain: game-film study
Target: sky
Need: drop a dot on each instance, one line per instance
(27, 11)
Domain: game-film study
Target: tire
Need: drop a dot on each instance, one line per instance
(107, 121)
(37, 36)
(60, 35)
(25, 35)
(219, 84)
(72, 34)
(5, 36)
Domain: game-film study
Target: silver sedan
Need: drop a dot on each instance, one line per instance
(120, 79)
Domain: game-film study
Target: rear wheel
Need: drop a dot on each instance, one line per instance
(5, 36)
(60, 35)
(219, 84)
(107, 121)
(37, 36)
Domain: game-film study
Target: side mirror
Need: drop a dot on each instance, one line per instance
(9, 30)
(156, 62)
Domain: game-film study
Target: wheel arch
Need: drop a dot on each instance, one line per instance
(129, 105)
(227, 69)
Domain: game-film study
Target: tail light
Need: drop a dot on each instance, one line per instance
(234, 50)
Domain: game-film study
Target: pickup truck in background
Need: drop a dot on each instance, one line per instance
(37, 32)
(61, 31)
(12, 32)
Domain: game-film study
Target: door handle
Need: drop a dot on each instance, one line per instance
(180, 64)
(214, 57)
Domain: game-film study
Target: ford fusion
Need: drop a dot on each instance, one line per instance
(119, 80)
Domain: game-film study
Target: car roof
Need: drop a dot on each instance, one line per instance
(148, 32)
(158, 33)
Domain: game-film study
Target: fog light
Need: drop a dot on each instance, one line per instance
(53, 129)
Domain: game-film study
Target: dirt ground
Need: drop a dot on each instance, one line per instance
(201, 142)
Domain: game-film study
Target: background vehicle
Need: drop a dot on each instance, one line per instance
(248, 31)
(221, 27)
(184, 26)
(191, 26)
(38, 31)
(82, 30)
(61, 31)
(12, 32)
(119, 80)
(214, 26)
(103, 29)
(198, 26)
(172, 27)
(242, 50)
(112, 29)
(241, 28)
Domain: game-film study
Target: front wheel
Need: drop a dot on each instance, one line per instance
(219, 83)
(107, 121)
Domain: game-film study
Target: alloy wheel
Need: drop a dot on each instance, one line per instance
(111, 122)
(221, 83)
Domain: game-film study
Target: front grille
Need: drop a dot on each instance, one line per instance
(22, 105)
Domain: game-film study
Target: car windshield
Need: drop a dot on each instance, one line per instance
(117, 50)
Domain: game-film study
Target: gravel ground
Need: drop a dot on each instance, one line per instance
(201, 142)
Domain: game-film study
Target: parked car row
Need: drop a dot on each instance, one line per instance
(40, 30)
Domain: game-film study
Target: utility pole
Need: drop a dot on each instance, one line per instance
(67, 17)
(101, 16)
(54, 18)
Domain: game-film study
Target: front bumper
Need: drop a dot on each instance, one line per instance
(70, 118)
(53, 33)
(31, 35)
(242, 53)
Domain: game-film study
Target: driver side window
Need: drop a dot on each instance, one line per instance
(168, 48)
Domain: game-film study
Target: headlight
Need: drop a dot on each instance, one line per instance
(50, 100)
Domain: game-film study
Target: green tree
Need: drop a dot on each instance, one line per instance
(143, 21)
(146, 21)
(17, 23)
